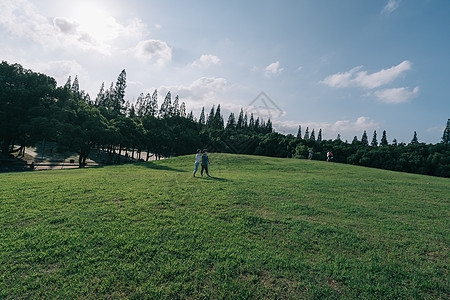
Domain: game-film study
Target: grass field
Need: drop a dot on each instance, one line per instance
(261, 228)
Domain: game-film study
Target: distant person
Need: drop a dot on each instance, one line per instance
(197, 160)
(310, 154)
(329, 156)
(205, 163)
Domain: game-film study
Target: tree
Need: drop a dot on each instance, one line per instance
(306, 137)
(319, 136)
(240, 121)
(210, 122)
(166, 107)
(176, 107)
(118, 95)
(299, 132)
(312, 137)
(414, 139)
(153, 104)
(218, 119)
(446, 135)
(202, 119)
(183, 110)
(231, 123)
(364, 139)
(384, 141)
(374, 142)
(22, 94)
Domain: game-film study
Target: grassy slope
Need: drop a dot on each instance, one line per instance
(264, 227)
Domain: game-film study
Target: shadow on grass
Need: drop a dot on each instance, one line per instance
(212, 178)
(152, 165)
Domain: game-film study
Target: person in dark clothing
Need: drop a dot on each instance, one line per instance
(205, 163)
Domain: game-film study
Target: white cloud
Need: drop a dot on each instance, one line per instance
(203, 90)
(396, 95)
(91, 31)
(357, 78)
(273, 69)
(154, 50)
(390, 7)
(206, 60)
(346, 128)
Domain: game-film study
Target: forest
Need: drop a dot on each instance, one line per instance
(33, 108)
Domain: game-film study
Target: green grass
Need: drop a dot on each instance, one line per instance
(262, 228)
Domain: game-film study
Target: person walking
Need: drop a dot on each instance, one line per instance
(310, 154)
(197, 161)
(205, 163)
(329, 156)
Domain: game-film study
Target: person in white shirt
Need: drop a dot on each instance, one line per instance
(197, 160)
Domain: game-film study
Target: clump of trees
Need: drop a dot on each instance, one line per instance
(33, 108)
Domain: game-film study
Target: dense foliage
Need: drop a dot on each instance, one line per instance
(33, 108)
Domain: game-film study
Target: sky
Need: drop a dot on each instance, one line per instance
(341, 66)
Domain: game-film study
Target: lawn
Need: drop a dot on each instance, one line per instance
(260, 228)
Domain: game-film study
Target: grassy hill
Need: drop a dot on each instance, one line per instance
(261, 228)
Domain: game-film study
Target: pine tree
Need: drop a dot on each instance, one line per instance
(153, 105)
(374, 142)
(319, 136)
(240, 121)
(166, 107)
(231, 123)
(210, 121)
(338, 138)
(364, 139)
(299, 132)
(312, 137)
(269, 128)
(245, 121)
(202, 119)
(119, 93)
(190, 116)
(183, 110)
(140, 105)
(176, 106)
(75, 87)
(384, 141)
(446, 135)
(306, 137)
(251, 122)
(218, 119)
(100, 99)
(355, 140)
(415, 140)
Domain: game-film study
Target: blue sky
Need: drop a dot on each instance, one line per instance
(340, 66)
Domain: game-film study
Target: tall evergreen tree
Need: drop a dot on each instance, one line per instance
(210, 121)
(218, 119)
(245, 121)
(100, 99)
(299, 132)
(240, 121)
(119, 93)
(176, 106)
(183, 110)
(446, 135)
(166, 107)
(76, 88)
(319, 136)
(374, 142)
(269, 128)
(384, 141)
(231, 123)
(202, 119)
(415, 140)
(364, 139)
(306, 137)
(251, 122)
(355, 140)
(153, 105)
(312, 137)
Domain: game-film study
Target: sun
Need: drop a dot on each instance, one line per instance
(96, 21)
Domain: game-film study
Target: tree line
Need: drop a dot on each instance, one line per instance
(33, 108)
